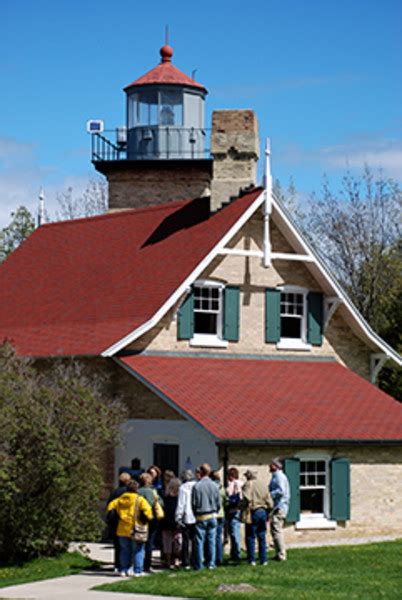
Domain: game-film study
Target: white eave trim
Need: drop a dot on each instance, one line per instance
(184, 287)
(357, 317)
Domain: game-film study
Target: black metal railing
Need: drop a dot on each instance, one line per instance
(151, 142)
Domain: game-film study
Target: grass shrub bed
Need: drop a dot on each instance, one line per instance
(44, 568)
(371, 571)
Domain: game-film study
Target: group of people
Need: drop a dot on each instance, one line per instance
(191, 516)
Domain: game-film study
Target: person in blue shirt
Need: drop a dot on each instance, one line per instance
(280, 492)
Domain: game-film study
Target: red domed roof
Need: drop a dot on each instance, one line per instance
(166, 73)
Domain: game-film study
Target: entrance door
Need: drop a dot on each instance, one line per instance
(166, 457)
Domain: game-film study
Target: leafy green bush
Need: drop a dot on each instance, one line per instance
(55, 424)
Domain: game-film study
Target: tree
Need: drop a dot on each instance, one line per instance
(55, 423)
(357, 231)
(358, 234)
(93, 201)
(21, 226)
(289, 197)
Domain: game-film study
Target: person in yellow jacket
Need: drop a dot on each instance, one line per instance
(132, 553)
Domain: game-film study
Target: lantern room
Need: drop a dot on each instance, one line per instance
(165, 114)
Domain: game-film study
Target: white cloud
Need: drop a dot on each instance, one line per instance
(22, 176)
(376, 151)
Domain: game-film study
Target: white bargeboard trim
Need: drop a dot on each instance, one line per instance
(185, 286)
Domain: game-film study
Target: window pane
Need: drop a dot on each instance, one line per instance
(148, 108)
(311, 501)
(321, 466)
(311, 480)
(303, 466)
(197, 303)
(205, 323)
(320, 479)
(204, 304)
(291, 327)
(171, 108)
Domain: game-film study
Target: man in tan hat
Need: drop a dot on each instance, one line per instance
(257, 504)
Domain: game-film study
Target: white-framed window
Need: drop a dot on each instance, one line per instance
(293, 316)
(208, 314)
(315, 487)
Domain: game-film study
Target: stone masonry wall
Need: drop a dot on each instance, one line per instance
(235, 148)
(248, 273)
(147, 186)
(376, 488)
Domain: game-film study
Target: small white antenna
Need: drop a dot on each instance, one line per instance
(41, 210)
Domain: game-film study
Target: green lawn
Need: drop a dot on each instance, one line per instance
(368, 572)
(44, 568)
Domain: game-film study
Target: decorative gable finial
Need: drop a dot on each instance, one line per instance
(41, 209)
(267, 204)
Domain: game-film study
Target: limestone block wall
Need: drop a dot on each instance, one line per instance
(145, 186)
(376, 487)
(252, 278)
(235, 148)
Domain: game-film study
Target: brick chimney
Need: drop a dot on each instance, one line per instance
(235, 150)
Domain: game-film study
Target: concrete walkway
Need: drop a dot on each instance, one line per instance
(77, 587)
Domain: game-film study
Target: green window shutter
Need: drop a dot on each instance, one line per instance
(315, 318)
(185, 325)
(272, 315)
(292, 470)
(340, 489)
(231, 313)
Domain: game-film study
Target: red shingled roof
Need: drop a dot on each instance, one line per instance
(166, 73)
(252, 399)
(77, 287)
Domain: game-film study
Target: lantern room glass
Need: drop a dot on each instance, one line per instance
(151, 108)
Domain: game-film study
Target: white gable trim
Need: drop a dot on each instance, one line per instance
(136, 333)
(310, 256)
(339, 293)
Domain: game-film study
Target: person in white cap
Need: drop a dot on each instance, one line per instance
(280, 492)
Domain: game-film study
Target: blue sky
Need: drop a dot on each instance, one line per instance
(324, 77)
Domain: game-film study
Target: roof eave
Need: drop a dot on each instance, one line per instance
(306, 442)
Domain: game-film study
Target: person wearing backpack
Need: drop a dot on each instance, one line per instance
(148, 492)
(132, 530)
(233, 515)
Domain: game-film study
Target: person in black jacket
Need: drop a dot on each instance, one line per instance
(112, 518)
(171, 534)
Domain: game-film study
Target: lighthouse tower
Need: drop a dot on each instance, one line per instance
(165, 153)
